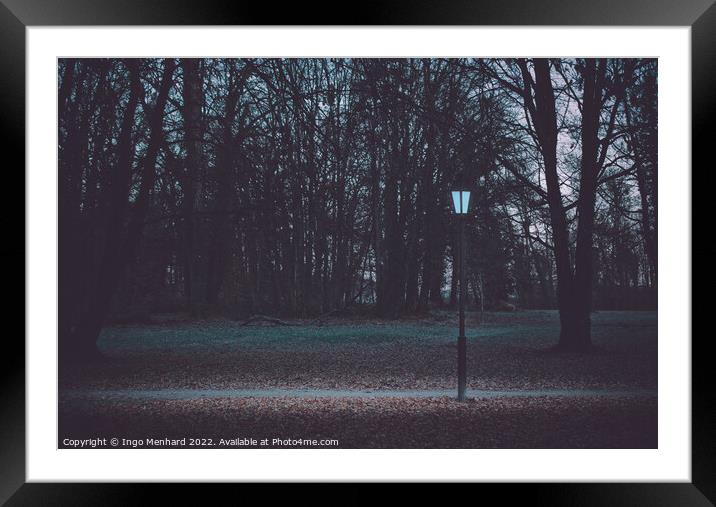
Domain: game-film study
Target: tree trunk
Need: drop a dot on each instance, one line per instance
(217, 256)
(546, 126)
(82, 346)
(581, 337)
(192, 137)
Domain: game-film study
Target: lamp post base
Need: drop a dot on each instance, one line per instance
(461, 367)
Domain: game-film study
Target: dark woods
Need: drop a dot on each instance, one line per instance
(300, 187)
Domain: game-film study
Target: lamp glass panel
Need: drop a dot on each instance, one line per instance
(465, 201)
(456, 201)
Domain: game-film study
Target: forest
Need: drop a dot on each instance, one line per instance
(304, 187)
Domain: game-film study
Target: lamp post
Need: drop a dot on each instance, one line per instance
(461, 201)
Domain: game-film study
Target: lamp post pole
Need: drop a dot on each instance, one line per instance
(461, 340)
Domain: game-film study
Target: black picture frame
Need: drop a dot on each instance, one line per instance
(16, 15)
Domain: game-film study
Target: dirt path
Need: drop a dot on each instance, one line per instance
(184, 394)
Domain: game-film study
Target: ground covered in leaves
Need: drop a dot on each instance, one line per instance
(505, 351)
(592, 422)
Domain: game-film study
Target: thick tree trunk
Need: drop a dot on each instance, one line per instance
(119, 249)
(82, 345)
(546, 125)
(581, 337)
(192, 137)
(68, 210)
(217, 258)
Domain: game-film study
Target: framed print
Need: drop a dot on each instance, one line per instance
(431, 246)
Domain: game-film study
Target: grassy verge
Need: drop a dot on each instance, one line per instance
(504, 352)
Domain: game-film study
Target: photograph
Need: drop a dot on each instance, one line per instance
(357, 253)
